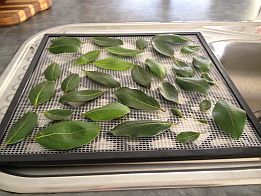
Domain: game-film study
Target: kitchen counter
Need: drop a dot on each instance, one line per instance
(80, 11)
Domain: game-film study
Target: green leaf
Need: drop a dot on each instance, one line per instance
(113, 64)
(123, 51)
(229, 118)
(141, 44)
(87, 57)
(70, 83)
(103, 78)
(205, 105)
(156, 68)
(58, 114)
(193, 84)
(177, 112)
(22, 128)
(143, 128)
(65, 45)
(182, 69)
(141, 76)
(52, 72)
(207, 78)
(187, 136)
(42, 93)
(107, 41)
(168, 91)
(171, 38)
(163, 48)
(108, 112)
(67, 135)
(80, 97)
(137, 99)
(189, 49)
(202, 63)
(204, 121)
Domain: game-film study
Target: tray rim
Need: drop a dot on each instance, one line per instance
(154, 155)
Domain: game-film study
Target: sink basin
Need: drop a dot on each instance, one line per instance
(242, 61)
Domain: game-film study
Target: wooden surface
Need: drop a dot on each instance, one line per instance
(17, 11)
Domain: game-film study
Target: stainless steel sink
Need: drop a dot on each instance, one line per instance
(242, 61)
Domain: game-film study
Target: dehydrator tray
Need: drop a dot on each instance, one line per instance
(214, 143)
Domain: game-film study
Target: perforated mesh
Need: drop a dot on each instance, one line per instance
(212, 138)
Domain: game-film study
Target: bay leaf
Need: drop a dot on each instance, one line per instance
(182, 69)
(229, 118)
(137, 99)
(168, 91)
(87, 57)
(103, 78)
(52, 72)
(22, 128)
(202, 63)
(113, 64)
(156, 68)
(171, 38)
(163, 48)
(42, 93)
(189, 49)
(177, 112)
(80, 97)
(141, 76)
(108, 112)
(65, 45)
(193, 84)
(67, 135)
(141, 43)
(123, 51)
(205, 105)
(187, 136)
(207, 78)
(143, 128)
(70, 83)
(58, 114)
(106, 41)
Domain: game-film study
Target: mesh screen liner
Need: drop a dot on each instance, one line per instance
(213, 137)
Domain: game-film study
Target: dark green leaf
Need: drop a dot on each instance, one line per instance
(42, 93)
(183, 69)
(22, 128)
(52, 72)
(156, 68)
(137, 99)
(113, 64)
(204, 121)
(108, 112)
(168, 91)
(171, 38)
(177, 112)
(107, 41)
(123, 51)
(144, 128)
(229, 118)
(70, 83)
(207, 78)
(80, 97)
(205, 105)
(163, 48)
(141, 44)
(189, 49)
(202, 63)
(103, 78)
(58, 114)
(193, 84)
(141, 76)
(87, 57)
(187, 136)
(67, 135)
(65, 45)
